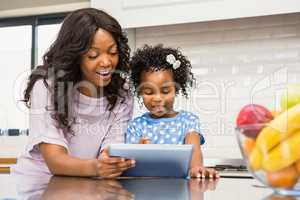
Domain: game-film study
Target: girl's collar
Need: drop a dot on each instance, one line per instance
(148, 116)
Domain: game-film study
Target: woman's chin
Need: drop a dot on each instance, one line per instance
(103, 83)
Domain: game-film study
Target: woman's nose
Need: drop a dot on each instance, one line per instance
(105, 61)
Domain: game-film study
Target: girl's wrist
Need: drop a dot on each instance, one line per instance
(196, 165)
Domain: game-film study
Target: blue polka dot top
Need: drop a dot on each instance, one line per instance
(163, 130)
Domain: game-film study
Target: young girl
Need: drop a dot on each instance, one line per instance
(77, 101)
(158, 75)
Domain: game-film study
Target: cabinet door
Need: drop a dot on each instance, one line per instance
(140, 13)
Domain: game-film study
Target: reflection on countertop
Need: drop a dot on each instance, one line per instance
(58, 187)
(279, 197)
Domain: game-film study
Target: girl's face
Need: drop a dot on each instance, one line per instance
(158, 93)
(99, 63)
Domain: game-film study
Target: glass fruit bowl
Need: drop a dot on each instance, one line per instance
(272, 153)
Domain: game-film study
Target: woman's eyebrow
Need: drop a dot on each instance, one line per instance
(110, 46)
(167, 85)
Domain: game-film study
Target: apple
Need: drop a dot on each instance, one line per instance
(291, 97)
(252, 118)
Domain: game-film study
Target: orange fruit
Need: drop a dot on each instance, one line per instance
(297, 165)
(275, 113)
(285, 178)
(249, 144)
(275, 197)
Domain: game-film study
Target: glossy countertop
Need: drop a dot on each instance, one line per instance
(55, 187)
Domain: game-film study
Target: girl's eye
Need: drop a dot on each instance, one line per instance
(147, 92)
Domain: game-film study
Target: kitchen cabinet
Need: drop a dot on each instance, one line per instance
(137, 13)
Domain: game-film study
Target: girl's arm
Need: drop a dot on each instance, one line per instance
(196, 167)
(194, 138)
(60, 163)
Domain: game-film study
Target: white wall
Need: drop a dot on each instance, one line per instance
(141, 13)
(236, 62)
(15, 4)
(21, 8)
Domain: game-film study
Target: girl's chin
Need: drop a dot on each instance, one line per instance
(158, 114)
(163, 114)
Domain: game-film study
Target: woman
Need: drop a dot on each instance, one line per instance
(78, 100)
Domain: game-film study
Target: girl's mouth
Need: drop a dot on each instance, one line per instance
(158, 109)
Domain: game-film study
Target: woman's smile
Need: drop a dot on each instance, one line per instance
(104, 74)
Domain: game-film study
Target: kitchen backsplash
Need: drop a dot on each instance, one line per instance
(235, 62)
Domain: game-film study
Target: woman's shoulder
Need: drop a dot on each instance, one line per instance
(124, 103)
(40, 94)
(41, 85)
(128, 96)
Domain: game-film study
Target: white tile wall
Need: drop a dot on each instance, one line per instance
(235, 62)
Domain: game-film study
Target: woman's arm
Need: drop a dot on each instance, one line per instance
(60, 163)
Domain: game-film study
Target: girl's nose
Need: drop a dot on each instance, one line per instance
(157, 97)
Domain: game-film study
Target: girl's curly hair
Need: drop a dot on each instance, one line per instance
(153, 58)
(74, 39)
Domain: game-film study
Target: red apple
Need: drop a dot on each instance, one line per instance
(252, 119)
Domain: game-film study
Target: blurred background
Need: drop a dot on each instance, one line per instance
(241, 52)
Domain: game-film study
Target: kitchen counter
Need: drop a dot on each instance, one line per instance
(19, 187)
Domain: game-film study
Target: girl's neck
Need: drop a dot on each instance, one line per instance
(170, 114)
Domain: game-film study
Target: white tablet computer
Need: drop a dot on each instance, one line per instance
(155, 160)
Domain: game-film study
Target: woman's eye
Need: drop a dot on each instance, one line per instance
(114, 53)
(92, 57)
(165, 91)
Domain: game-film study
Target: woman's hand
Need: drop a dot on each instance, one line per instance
(203, 172)
(111, 167)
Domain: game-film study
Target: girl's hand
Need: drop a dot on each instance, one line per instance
(145, 140)
(203, 172)
(111, 167)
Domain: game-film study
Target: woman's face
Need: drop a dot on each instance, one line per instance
(99, 63)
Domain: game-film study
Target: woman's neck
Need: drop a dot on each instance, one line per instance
(87, 92)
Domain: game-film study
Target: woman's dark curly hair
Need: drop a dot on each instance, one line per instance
(153, 58)
(74, 39)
